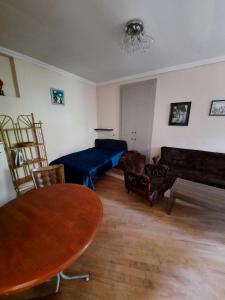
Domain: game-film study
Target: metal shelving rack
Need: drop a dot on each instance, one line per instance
(25, 136)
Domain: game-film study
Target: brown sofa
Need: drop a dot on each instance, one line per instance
(195, 165)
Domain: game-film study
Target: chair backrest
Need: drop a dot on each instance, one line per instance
(135, 164)
(48, 175)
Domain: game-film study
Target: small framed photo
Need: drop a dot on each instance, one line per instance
(217, 108)
(57, 96)
(179, 113)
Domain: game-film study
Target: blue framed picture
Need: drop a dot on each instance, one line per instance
(57, 96)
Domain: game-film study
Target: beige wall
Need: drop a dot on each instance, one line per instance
(199, 85)
(108, 108)
(66, 128)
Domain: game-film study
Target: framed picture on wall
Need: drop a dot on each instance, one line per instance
(57, 96)
(217, 108)
(179, 113)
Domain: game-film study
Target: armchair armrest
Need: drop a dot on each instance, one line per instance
(157, 170)
(144, 178)
(156, 159)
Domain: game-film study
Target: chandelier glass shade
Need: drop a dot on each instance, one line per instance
(135, 38)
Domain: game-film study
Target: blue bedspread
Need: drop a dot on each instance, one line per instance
(85, 166)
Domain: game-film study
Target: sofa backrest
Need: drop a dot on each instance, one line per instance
(111, 144)
(203, 161)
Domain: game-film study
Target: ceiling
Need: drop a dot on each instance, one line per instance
(83, 36)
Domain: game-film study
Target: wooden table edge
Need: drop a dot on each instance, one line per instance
(62, 267)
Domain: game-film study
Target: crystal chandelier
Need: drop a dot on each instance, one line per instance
(136, 39)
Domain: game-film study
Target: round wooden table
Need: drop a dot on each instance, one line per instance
(43, 232)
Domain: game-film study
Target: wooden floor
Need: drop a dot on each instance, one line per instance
(142, 253)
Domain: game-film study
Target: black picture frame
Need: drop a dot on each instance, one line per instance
(179, 113)
(215, 109)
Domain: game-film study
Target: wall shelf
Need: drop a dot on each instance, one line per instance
(21, 146)
(103, 129)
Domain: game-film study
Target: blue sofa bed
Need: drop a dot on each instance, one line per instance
(85, 166)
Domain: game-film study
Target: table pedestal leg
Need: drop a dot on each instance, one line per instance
(58, 279)
(61, 275)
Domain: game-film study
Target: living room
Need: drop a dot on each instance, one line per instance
(122, 105)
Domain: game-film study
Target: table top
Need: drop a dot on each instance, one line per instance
(44, 231)
(198, 193)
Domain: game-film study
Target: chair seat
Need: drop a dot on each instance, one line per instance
(158, 183)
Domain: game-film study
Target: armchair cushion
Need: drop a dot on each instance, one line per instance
(135, 178)
(156, 170)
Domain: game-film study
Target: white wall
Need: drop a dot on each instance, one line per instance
(66, 128)
(199, 85)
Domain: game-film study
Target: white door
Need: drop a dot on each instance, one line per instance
(7, 191)
(137, 112)
(128, 117)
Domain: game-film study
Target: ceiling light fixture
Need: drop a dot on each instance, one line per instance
(136, 39)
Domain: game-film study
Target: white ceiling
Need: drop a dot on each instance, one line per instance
(83, 36)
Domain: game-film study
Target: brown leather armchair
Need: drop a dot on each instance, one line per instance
(149, 180)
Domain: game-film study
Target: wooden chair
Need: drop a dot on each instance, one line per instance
(48, 175)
